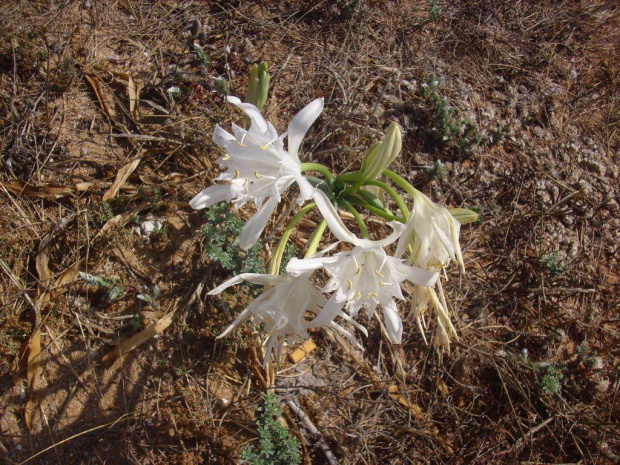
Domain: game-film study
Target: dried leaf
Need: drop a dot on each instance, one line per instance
(34, 368)
(42, 266)
(50, 191)
(143, 336)
(156, 328)
(93, 80)
(121, 178)
(70, 274)
(122, 219)
(394, 392)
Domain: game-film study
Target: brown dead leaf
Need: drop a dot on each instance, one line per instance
(50, 191)
(394, 392)
(70, 274)
(133, 89)
(156, 328)
(42, 266)
(137, 340)
(32, 354)
(121, 178)
(122, 219)
(93, 80)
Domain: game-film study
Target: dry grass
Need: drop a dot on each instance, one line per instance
(547, 72)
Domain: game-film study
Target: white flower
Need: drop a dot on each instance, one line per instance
(365, 276)
(282, 308)
(257, 166)
(433, 234)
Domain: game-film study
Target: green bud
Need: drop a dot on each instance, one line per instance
(258, 86)
(463, 215)
(380, 155)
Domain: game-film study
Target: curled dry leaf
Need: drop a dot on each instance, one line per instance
(93, 80)
(50, 191)
(121, 178)
(32, 354)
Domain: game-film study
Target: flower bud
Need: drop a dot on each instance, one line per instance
(463, 215)
(258, 86)
(380, 155)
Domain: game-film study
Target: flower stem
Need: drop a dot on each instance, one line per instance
(329, 177)
(380, 212)
(360, 221)
(400, 203)
(349, 177)
(401, 182)
(276, 259)
(315, 239)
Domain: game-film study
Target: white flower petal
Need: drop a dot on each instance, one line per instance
(330, 311)
(306, 189)
(253, 113)
(221, 137)
(254, 278)
(210, 196)
(297, 266)
(300, 124)
(421, 276)
(255, 226)
(393, 322)
(336, 226)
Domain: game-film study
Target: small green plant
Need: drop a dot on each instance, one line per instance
(551, 380)
(553, 264)
(113, 290)
(220, 231)
(106, 212)
(221, 86)
(497, 135)
(435, 171)
(151, 297)
(435, 11)
(446, 127)
(290, 251)
(276, 446)
(202, 55)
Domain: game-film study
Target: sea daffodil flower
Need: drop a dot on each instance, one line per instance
(365, 276)
(258, 167)
(433, 233)
(283, 306)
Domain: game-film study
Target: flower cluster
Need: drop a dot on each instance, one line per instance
(363, 275)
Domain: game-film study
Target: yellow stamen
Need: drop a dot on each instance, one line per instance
(226, 157)
(256, 174)
(359, 269)
(371, 294)
(241, 144)
(358, 294)
(245, 183)
(350, 283)
(378, 274)
(236, 174)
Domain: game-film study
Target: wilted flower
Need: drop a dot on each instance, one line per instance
(257, 166)
(283, 306)
(433, 234)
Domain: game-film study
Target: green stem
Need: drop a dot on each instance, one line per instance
(329, 177)
(315, 239)
(401, 182)
(360, 221)
(379, 212)
(349, 177)
(276, 259)
(400, 203)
